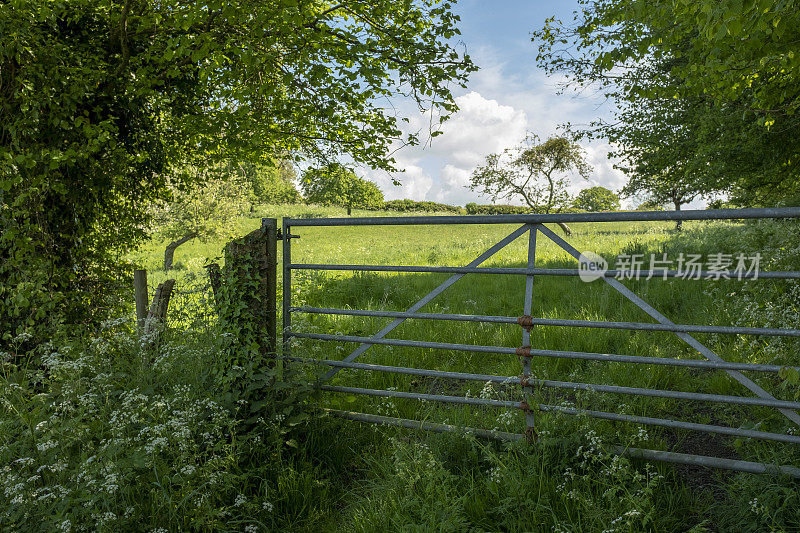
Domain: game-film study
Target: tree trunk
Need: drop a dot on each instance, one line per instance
(349, 210)
(552, 188)
(169, 253)
(677, 200)
(159, 305)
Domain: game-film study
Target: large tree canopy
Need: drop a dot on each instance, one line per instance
(334, 184)
(689, 88)
(534, 172)
(100, 100)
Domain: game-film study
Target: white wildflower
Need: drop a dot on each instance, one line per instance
(44, 446)
(505, 418)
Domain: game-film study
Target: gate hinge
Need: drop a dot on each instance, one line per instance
(280, 236)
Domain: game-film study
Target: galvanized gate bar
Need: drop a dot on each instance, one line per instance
(636, 453)
(431, 295)
(614, 358)
(700, 274)
(530, 431)
(590, 387)
(426, 397)
(688, 339)
(424, 425)
(706, 461)
(620, 216)
(677, 424)
(632, 326)
(646, 420)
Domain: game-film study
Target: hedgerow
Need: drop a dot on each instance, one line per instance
(413, 206)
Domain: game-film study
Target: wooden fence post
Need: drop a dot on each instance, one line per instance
(215, 279)
(158, 309)
(140, 296)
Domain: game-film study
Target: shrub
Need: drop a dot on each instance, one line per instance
(649, 205)
(476, 209)
(597, 199)
(132, 433)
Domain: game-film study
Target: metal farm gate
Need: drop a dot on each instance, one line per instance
(532, 225)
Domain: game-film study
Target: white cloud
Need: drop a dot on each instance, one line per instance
(415, 183)
(453, 176)
(439, 169)
(480, 127)
(504, 103)
(604, 173)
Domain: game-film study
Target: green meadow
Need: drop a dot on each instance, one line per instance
(369, 478)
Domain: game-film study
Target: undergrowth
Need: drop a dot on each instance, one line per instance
(94, 439)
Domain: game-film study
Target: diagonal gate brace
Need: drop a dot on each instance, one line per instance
(431, 295)
(688, 339)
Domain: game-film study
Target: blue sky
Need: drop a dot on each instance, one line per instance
(506, 98)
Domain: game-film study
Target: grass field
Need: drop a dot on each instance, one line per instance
(388, 478)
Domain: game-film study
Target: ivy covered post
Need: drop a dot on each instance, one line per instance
(250, 381)
(249, 276)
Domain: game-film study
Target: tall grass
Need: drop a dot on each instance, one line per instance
(350, 477)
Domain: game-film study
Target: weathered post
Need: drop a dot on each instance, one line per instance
(156, 318)
(215, 279)
(157, 315)
(140, 296)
